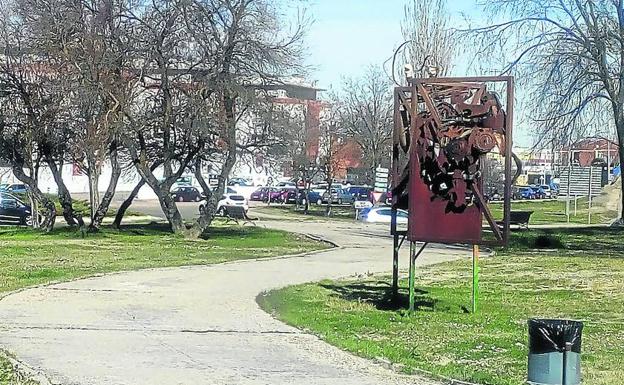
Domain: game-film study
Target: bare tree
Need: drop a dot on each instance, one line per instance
(163, 84)
(363, 110)
(429, 40)
(331, 157)
(84, 41)
(29, 103)
(200, 59)
(252, 44)
(289, 149)
(569, 56)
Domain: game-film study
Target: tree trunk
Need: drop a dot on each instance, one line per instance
(64, 196)
(206, 216)
(104, 204)
(171, 211)
(50, 211)
(121, 211)
(620, 130)
(306, 191)
(618, 112)
(306, 205)
(328, 208)
(128, 202)
(94, 178)
(33, 209)
(161, 190)
(205, 219)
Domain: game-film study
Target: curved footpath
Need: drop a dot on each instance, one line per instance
(197, 325)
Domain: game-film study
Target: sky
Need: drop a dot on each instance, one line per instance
(347, 36)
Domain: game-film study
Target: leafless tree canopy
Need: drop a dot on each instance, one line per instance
(568, 57)
(148, 83)
(426, 27)
(363, 111)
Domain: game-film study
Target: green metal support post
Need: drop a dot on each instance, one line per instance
(475, 278)
(412, 273)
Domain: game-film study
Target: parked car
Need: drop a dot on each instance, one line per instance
(386, 198)
(492, 196)
(227, 200)
(16, 189)
(382, 215)
(240, 182)
(361, 193)
(231, 200)
(287, 184)
(321, 188)
(187, 194)
(313, 196)
(289, 195)
(338, 196)
(13, 211)
(550, 193)
(260, 194)
(273, 195)
(523, 193)
(539, 192)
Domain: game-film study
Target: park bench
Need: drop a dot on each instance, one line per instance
(518, 218)
(237, 214)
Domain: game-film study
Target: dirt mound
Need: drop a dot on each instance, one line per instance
(610, 200)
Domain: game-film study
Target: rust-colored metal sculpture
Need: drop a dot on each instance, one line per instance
(443, 128)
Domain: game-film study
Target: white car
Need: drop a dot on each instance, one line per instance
(232, 200)
(548, 192)
(383, 215)
(228, 200)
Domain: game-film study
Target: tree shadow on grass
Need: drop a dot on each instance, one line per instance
(379, 294)
(151, 228)
(591, 239)
(161, 228)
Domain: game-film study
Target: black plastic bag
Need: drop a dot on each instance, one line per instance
(551, 335)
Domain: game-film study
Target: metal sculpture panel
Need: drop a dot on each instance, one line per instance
(443, 129)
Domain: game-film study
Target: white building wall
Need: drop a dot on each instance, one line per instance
(78, 185)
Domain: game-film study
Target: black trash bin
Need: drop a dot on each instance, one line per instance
(554, 352)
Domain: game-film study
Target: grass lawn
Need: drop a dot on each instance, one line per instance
(582, 279)
(553, 211)
(316, 212)
(29, 257)
(544, 212)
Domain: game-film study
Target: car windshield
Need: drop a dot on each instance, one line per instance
(237, 197)
(9, 197)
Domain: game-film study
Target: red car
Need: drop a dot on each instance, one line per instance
(260, 194)
(274, 194)
(289, 195)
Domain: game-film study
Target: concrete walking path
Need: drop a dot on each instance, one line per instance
(197, 325)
